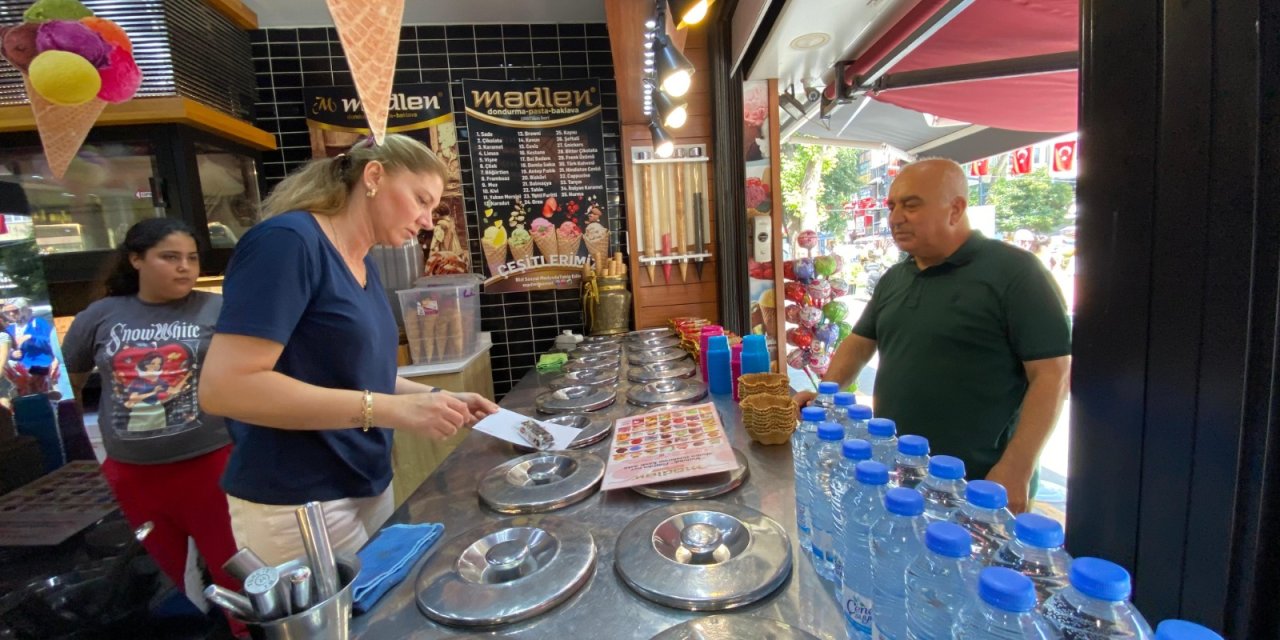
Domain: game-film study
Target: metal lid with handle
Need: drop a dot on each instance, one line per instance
(542, 481)
(581, 398)
(506, 571)
(655, 371)
(579, 377)
(645, 356)
(667, 392)
(699, 487)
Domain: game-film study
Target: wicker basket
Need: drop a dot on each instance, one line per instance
(773, 384)
(769, 419)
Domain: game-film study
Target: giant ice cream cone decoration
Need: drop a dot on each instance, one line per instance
(73, 64)
(544, 235)
(494, 244)
(370, 34)
(597, 237)
(568, 239)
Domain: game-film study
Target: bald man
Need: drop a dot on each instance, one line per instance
(972, 333)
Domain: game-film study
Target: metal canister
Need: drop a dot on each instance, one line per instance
(607, 304)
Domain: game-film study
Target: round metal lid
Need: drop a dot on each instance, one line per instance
(699, 487)
(541, 481)
(597, 361)
(601, 348)
(733, 628)
(579, 377)
(655, 371)
(645, 334)
(594, 429)
(667, 392)
(654, 343)
(646, 356)
(580, 398)
(506, 571)
(615, 339)
(703, 556)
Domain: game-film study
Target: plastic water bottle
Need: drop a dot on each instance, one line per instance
(852, 452)
(1004, 610)
(1183, 630)
(882, 433)
(986, 515)
(943, 489)
(863, 506)
(840, 406)
(938, 581)
(1096, 604)
(1036, 552)
(803, 440)
(825, 457)
(896, 540)
(911, 464)
(855, 421)
(826, 397)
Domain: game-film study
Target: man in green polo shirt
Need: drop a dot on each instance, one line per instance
(973, 336)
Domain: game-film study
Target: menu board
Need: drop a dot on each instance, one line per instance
(537, 161)
(336, 121)
(667, 445)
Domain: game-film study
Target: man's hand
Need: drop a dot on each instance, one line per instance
(803, 398)
(1015, 480)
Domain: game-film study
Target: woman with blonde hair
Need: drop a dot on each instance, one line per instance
(303, 363)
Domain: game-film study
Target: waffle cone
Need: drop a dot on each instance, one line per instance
(598, 246)
(370, 34)
(495, 255)
(522, 252)
(62, 129)
(546, 244)
(568, 246)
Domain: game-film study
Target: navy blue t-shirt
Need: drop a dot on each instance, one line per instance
(287, 283)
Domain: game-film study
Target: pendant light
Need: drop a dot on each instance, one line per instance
(671, 113)
(675, 72)
(689, 12)
(663, 144)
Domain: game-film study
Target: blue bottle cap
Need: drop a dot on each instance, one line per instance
(946, 467)
(913, 446)
(950, 540)
(1101, 579)
(1038, 531)
(828, 388)
(882, 427)
(1006, 590)
(856, 449)
(904, 502)
(860, 412)
(871, 472)
(845, 399)
(829, 431)
(813, 414)
(986, 494)
(1183, 630)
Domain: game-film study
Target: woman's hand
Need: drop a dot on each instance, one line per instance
(478, 406)
(435, 415)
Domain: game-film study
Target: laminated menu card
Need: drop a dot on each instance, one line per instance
(668, 445)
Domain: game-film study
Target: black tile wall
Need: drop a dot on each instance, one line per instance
(523, 325)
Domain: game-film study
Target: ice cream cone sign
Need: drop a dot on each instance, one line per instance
(370, 34)
(73, 64)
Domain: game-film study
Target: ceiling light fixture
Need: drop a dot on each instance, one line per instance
(671, 113)
(663, 144)
(675, 72)
(690, 12)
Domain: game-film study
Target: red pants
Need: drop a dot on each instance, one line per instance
(181, 499)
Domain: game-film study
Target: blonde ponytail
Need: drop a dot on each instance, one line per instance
(322, 186)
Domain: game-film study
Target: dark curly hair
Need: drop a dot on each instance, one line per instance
(123, 279)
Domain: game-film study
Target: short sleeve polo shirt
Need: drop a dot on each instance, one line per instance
(952, 339)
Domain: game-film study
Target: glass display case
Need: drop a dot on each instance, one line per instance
(124, 174)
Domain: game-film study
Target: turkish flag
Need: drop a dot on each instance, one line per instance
(982, 167)
(1021, 162)
(1064, 156)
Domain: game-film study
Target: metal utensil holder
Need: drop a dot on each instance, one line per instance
(327, 619)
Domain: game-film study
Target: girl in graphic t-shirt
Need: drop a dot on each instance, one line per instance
(146, 338)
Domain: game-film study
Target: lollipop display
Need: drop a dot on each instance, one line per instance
(813, 286)
(73, 64)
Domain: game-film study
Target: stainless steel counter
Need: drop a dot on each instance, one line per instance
(605, 607)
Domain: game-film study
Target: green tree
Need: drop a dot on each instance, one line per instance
(816, 182)
(20, 264)
(1034, 201)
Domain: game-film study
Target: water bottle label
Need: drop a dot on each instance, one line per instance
(857, 610)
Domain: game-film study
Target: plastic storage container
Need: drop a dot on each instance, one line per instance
(442, 318)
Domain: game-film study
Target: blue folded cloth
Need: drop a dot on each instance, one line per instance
(387, 559)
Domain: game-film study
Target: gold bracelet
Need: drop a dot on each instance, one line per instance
(366, 412)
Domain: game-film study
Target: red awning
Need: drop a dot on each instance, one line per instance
(999, 30)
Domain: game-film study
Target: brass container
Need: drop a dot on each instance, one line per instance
(607, 304)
